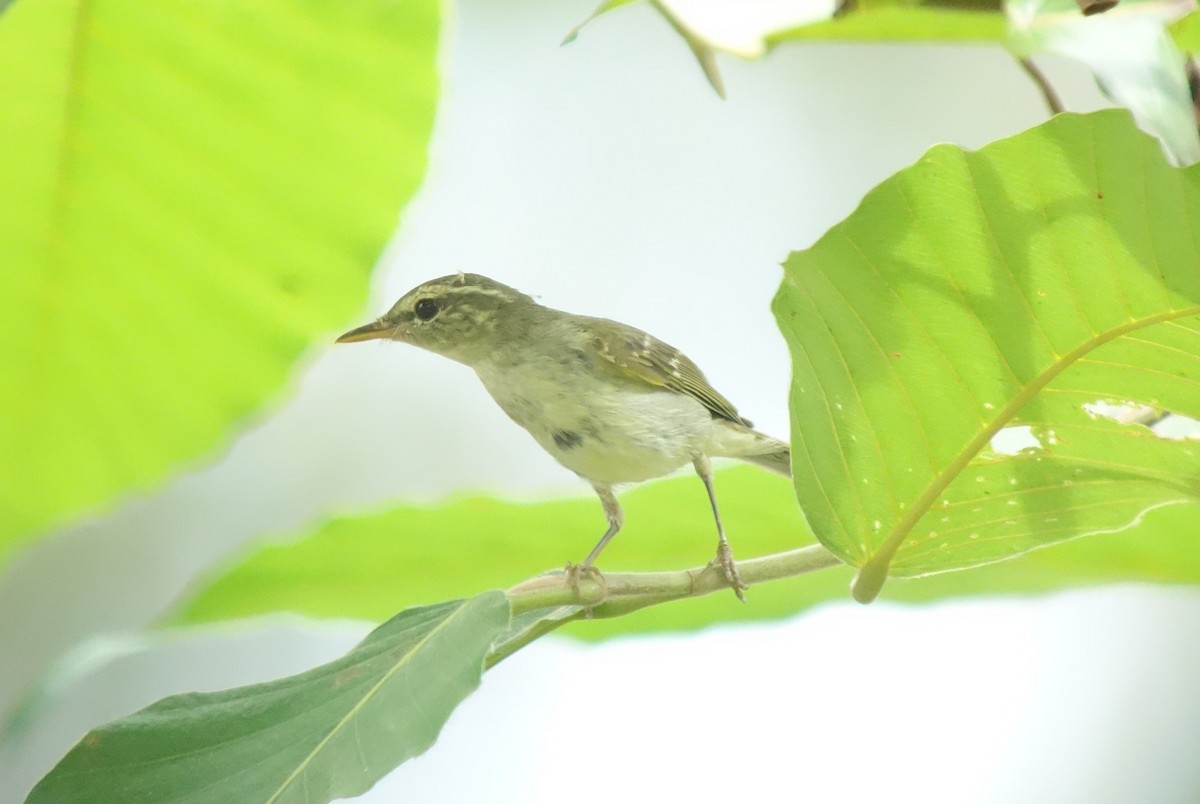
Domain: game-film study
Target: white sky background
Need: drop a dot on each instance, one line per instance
(608, 179)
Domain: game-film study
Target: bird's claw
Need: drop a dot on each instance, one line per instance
(574, 573)
(724, 560)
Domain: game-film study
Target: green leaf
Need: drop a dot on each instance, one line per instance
(1186, 33)
(1012, 287)
(194, 192)
(331, 732)
(370, 565)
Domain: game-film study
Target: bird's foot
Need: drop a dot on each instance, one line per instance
(575, 573)
(724, 560)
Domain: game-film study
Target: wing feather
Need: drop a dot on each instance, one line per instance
(639, 355)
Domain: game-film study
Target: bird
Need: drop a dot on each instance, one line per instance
(610, 402)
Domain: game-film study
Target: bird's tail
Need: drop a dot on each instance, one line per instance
(738, 441)
(779, 461)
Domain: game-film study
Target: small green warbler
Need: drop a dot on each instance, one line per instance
(608, 401)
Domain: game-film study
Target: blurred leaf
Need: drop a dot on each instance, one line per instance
(331, 732)
(1005, 288)
(1128, 50)
(748, 28)
(66, 671)
(900, 21)
(703, 51)
(371, 565)
(603, 8)
(1186, 32)
(195, 192)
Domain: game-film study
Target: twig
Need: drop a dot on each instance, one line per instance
(1052, 100)
(616, 594)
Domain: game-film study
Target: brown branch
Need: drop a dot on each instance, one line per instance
(1051, 97)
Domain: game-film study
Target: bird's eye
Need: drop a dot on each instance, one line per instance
(426, 309)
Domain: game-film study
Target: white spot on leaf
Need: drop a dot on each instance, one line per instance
(1012, 440)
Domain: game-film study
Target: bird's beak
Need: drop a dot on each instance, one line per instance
(369, 332)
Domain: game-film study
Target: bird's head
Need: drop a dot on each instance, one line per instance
(456, 316)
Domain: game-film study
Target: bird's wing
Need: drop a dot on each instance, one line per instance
(639, 355)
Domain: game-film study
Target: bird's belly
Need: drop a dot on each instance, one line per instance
(607, 435)
(609, 456)
(631, 436)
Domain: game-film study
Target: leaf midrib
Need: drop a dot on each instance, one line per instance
(876, 567)
(362, 702)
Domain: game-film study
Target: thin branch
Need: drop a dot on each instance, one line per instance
(1054, 102)
(617, 594)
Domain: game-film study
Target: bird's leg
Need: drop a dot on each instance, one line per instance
(724, 557)
(616, 518)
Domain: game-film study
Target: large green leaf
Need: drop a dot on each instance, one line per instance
(1012, 287)
(369, 566)
(194, 191)
(328, 733)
